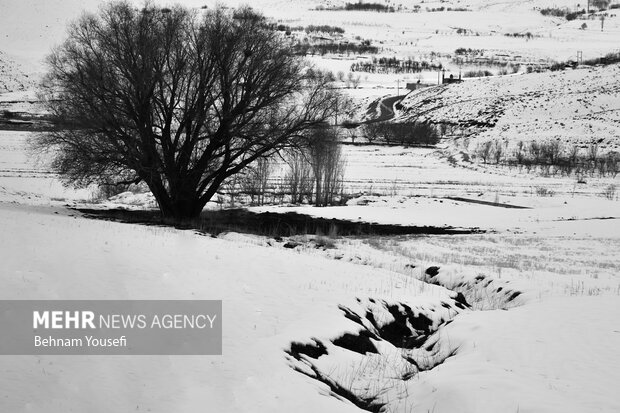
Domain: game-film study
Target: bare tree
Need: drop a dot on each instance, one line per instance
(178, 100)
(325, 157)
(372, 132)
(298, 177)
(599, 4)
(484, 150)
(255, 182)
(498, 152)
(519, 152)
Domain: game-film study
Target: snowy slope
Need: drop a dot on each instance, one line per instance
(271, 297)
(531, 358)
(577, 106)
(30, 28)
(12, 76)
(551, 356)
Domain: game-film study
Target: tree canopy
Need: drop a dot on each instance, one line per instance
(178, 99)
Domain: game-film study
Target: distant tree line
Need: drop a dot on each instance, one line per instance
(308, 29)
(608, 59)
(566, 13)
(307, 48)
(368, 7)
(405, 133)
(376, 7)
(395, 65)
(551, 157)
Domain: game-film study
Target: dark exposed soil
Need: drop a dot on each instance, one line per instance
(478, 201)
(273, 224)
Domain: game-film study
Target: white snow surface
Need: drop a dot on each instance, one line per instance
(556, 350)
(546, 356)
(553, 349)
(271, 297)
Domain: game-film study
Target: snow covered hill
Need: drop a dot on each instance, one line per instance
(12, 76)
(30, 28)
(576, 106)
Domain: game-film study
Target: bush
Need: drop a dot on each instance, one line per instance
(324, 29)
(477, 73)
(610, 192)
(423, 134)
(368, 7)
(543, 191)
(405, 133)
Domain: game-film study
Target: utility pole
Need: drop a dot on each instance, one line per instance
(397, 87)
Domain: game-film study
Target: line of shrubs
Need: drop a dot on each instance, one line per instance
(562, 12)
(477, 73)
(395, 65)
(376, 7)
(323, 28)
(442, 8)
(303, 49)
(368, 7)
(550, 157)
(405, 133)
(608, 59)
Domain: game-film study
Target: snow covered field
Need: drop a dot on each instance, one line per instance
(351, 323)
(549, 352)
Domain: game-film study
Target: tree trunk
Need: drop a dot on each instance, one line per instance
(182, 208)
(184, 211)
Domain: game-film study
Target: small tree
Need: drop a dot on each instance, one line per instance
(425, 134)
(298, 178)
(600, 4)
(498, 152)
(178, 100)
(519, 152)
(484, 150)
(255, 182)
(372, 132)
(325, 157)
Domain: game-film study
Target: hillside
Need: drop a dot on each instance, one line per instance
(12, 77)
(577, 106)
(30, 28)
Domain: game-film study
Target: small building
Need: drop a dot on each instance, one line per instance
(417, 85)
(450, 79)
